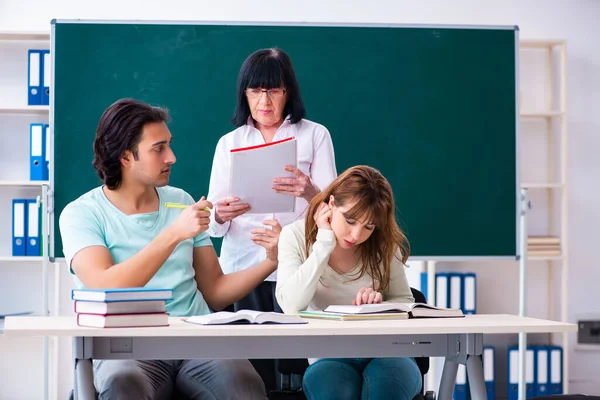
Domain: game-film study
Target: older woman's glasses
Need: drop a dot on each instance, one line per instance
(254, 93)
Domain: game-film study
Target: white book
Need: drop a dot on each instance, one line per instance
(120, 307)
(253, 170)
(122, 294)
(244, 317)
(122, 320)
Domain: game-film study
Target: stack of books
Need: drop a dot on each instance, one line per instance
(120, 308)
(543, 246)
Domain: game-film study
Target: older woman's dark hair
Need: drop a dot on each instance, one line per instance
(119, 130)
(268, 69)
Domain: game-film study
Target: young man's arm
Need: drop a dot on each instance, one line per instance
(95, 267)
(219, 289)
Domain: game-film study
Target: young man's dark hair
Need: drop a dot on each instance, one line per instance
(119, 130)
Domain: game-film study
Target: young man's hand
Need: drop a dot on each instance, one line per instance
(193, 220)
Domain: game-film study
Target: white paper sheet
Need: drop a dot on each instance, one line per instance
(252, 174)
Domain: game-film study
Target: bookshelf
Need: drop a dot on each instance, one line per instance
(550, 105)
(543, 131)
(23, 280)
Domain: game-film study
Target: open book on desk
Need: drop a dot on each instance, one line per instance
(382, 311)
(244, 317)
(253, 170)
(414, 310)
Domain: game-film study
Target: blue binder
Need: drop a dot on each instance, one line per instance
(455, 292)
(46, 168)
(37, 152)
(34, 78)
(33, 228)
(489, 355)
(442, 289)
(542, 373)
(469, 292)
(46, 70)
(556, 370)
(424, 285)
(461, 389)
(19, 226)
(513, 373)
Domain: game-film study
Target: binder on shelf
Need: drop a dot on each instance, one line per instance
(556, 370)
(469, 292)
(46, 168)
(46, 69)
(19, 223)
(33, 228)
(461, 390)
(513, 373)
(34, 78)
(37, 152)
(455, 294)
(489, 354)
(442, 289)
(542, 371)
(423, 287)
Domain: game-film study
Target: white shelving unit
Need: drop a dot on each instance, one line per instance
(552, 106)
(543, 109)
(23, 280)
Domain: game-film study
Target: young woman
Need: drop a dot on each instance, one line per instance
(349, 250)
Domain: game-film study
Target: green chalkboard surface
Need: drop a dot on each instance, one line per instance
(433, 108)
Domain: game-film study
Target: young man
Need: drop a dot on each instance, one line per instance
(121, 235)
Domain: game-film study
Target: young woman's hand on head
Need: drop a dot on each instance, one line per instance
(225, 211)
(300, 186)
(323, 216)
(367, 296)
(268, 238)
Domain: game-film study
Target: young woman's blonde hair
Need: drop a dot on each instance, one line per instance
(374, 203)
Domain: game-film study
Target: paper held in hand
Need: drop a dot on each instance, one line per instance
(244, 317)
(253, 170)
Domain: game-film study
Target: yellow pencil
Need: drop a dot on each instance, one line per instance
(181, 206)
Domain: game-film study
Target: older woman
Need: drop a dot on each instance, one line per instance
(269, 108)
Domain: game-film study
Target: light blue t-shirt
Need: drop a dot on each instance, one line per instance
(92, 220)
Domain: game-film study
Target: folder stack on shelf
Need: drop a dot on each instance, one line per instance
(543, 246)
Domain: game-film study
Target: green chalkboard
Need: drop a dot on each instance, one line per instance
(433, 108)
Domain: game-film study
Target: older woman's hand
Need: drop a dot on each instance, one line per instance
(300, 186)
(225, 211)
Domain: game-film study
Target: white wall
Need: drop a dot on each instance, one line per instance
(575, 21)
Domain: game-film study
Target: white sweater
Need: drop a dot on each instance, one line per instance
(310, 284)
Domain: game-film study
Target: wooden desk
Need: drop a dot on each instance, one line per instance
(459, 340)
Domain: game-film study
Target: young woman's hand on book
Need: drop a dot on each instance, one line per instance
(367, 296)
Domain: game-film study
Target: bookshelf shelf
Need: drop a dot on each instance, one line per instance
(26, 259)
(538, 185)
(25, 110)
(545, 258)
(541, 114)
(24, 183)
(540, 44)
(11, 35)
